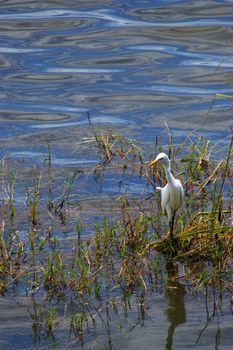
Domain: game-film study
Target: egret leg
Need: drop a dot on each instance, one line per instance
(171, 223)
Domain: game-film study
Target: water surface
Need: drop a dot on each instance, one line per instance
(133, 66)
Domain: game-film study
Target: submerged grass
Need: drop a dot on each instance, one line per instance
(121, 261)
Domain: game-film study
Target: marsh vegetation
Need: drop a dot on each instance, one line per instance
(85, 269)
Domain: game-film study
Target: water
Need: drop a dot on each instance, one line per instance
(133, 65)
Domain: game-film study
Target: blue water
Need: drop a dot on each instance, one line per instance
(139, 62)
(133, 66)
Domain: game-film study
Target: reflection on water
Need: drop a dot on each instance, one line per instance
(22, 318)
(175, 312)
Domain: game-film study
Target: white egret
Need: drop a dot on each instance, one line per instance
(172, 195)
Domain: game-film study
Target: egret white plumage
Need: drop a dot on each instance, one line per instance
(172, 195)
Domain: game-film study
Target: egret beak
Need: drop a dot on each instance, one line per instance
(152, 163)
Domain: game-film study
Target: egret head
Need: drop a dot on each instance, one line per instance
(161, 159)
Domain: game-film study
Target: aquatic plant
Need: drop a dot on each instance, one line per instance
(125, 257)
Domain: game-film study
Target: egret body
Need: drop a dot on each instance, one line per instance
(172, 195)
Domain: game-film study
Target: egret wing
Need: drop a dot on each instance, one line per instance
(165, 197)
(181, 194)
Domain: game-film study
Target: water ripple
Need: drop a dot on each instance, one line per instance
(95, 120)
(39, 156)
(19, 50)
(174, 50)
(83, 70)
(25, 106)
(187, 90)
(208, 63)
(114, 20)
